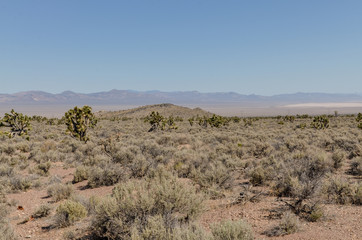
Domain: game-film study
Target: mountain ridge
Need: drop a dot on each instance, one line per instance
(132, 97)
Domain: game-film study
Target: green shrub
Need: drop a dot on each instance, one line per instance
(69, 212)
(232, 230)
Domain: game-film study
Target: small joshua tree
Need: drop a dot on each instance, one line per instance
(78, 120)
(155, 119)
(359, 120)
(18, 123)
(320, 122)
(169, 123)
(158, 121)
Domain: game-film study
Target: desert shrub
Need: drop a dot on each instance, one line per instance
(294, 144)
(43, 169)
(349, 145)
(6, 170)
(232, 230)
(357, 198)
(339, 190)
(356, 167)
(140, 166)
(258, 176)
(6, 230)
(156, 229)
(301, 179)
(42, 211)
(214, 174)
(60, 191)
(69, 212)
(302, 175)
(69, 235)
(314, 213)
(260, 149)
(19, 183)
(289, 224)
(190, 232)
(107, 175)
(133, 203)
(337, 158)
(81, 174)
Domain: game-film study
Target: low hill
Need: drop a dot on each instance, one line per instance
(165, 109)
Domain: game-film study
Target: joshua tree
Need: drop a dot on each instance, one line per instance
(155, 119)
(78, 120)
(359, 120)
(320, 122)
(18, 123)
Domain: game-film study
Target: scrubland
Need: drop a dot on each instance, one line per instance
(257, 178)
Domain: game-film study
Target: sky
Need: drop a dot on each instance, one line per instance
(263, 47)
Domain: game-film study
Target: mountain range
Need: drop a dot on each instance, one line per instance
(129, 97)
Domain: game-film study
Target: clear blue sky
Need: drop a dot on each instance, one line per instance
(257, 46)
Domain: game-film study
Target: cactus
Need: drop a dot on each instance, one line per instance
(18, 123)
(78, 120)
(320, 122)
